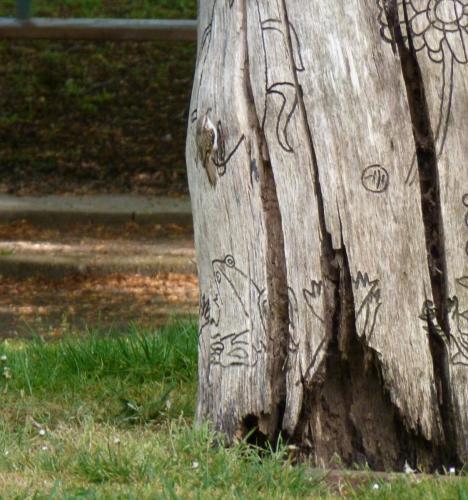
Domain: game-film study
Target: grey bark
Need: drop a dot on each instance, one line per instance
(327, 169)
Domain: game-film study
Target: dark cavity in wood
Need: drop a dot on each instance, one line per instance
(349, 396)
(277, 317)
(426, 154)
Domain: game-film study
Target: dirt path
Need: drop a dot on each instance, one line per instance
(53, 306)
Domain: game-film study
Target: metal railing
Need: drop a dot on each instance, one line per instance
(27, 27)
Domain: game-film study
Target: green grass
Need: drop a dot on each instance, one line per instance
(108, 377)
(109, 415)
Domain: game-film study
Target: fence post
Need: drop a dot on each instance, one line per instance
(23, 9)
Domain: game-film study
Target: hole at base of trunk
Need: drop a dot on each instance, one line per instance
(251, 432)
(348, 417)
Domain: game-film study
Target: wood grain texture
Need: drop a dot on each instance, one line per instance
(276, 104)
(231, 237)
(439, 34)
(357, 112)
(327, 168)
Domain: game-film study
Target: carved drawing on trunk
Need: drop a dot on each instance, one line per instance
(438, 29)
(367, 299)
(459, 337)
(209, 313)
(313, 298)
(232, 350)
(278, 82)
(459, 317)
(231, 294)
(293, 314)
(221, 158)
(214, 153)
(375, 179)
(465, 202)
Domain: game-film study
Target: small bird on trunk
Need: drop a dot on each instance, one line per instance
(207, 144)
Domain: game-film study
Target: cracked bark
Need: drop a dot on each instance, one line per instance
(326, 310)
(429, 184)
(276, 274)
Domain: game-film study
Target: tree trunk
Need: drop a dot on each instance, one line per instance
(328, 172)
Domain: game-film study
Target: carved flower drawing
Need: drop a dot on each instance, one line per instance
(439, 26)
(438, 29)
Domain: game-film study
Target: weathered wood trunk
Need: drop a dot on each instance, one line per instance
(327, 159)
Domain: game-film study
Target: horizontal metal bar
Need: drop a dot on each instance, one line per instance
(99, 29)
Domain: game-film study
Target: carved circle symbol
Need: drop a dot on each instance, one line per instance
(375, 178)
(229, 260)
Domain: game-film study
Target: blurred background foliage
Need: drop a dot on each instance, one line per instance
(85, 117)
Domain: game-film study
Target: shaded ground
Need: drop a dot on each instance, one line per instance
(38, 306)
(24, 230)
(80, 117)
(165, 9)
(51, 306)
(87, 118)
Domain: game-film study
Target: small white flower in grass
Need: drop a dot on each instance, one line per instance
(42, 432)
(195, 465)
(44, 448)
(375, 486)
(407, 469)
(452, 470)
(116, 440)
(7, 372)
(3, 358)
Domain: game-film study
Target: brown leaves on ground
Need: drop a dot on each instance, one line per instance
(26, 231)
(53, 307)
(109, 117)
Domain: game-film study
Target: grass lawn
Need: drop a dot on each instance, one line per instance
(95, 117)
(109, 415)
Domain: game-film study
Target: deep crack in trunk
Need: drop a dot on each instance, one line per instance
(351, 381)
(347, 409)
(437, 314)
(265, 428)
